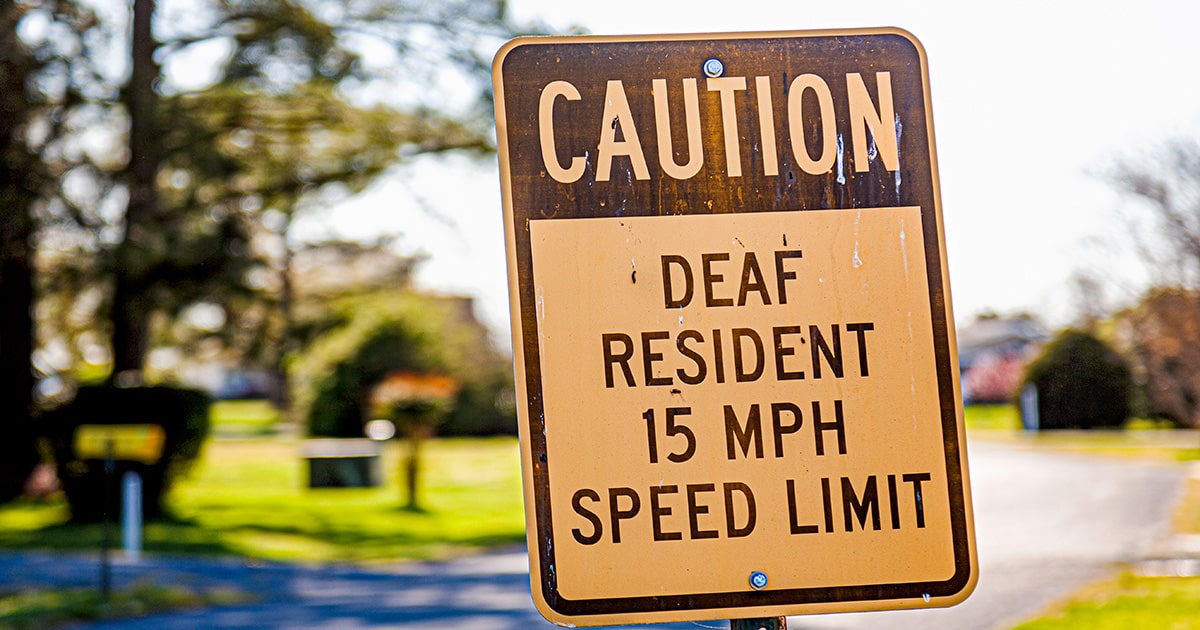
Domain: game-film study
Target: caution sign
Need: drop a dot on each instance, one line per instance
(738, 384)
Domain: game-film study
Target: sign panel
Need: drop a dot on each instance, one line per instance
(738, 385)
(133, 442)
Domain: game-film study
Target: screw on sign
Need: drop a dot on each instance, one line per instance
(766, 420)
(713, 68)
(758, 580)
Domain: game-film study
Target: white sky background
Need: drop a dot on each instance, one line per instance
(1030, 101)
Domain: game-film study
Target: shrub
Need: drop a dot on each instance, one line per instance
(402, 332)
(1081, 383)
(485, 407)
(341, 405)
(183, 415)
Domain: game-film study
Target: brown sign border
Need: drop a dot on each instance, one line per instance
(536, 464)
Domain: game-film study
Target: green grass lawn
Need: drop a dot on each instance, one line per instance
(1128, 602)
(247, 497)
(1141, 439)
(40, 609)
(244, 417)
(992, 417)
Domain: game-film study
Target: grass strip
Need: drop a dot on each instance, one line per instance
(1139, 439)
(1129, 601)
(49, 608)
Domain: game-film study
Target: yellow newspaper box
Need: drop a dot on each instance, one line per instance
(132, 442)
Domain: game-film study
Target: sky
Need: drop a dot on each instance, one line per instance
(1032, 103)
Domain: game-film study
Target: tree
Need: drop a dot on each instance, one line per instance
(1165, 188)
(291, 118)
(42, 45)
(16, 273)
(130, 307)
(292, 130)
(416, 404)
(1161, 334)
(285, 149)
(1162, 330)
(144, 190)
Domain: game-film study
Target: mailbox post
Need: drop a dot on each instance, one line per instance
(129, 442)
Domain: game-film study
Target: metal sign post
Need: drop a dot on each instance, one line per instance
(106, 534)
(737, 378)
(773, 623)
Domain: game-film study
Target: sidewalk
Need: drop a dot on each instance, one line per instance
(1176, 555)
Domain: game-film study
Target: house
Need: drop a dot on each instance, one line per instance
(992, 354)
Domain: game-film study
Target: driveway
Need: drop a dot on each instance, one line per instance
(1046, 523)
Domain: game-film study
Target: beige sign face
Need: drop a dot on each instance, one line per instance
(734, 403)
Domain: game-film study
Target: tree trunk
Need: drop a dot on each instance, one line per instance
(412, 469)
(18, 450)
(287, 342)
(130, 308)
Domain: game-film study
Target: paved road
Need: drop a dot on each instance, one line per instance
(1046, 523)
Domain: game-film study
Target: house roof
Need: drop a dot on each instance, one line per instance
(988, 333)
